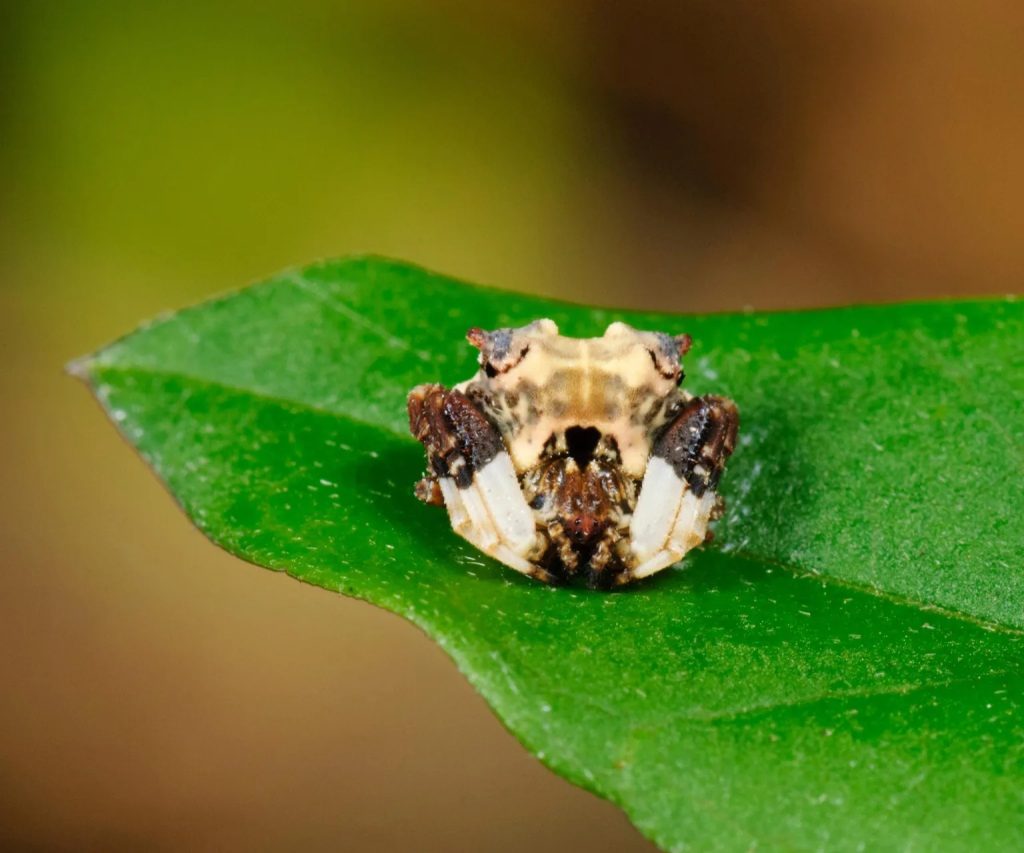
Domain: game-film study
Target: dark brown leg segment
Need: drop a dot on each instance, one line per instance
(699, 441)
(458, 438)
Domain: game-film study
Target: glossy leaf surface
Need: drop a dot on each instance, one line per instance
(842, 669)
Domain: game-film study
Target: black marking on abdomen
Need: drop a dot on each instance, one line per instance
(581, 443)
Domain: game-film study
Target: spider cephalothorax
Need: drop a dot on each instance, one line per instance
(567, 456)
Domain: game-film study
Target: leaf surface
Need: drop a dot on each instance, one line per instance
(843, 669)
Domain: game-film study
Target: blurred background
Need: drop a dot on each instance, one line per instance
(688, 156)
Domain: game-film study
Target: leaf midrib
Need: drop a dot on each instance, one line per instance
(90, 367)
(758, 708)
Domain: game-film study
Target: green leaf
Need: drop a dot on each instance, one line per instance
(843, 670)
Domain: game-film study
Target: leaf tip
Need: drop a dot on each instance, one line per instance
(80, 368)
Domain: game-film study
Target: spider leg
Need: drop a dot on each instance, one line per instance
(677, 497)
(474, 475)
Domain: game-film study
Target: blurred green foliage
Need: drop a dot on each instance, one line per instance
(207, 144)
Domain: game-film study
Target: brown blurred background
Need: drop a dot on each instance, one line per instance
(689, 156)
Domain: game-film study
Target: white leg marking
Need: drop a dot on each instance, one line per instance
(480, 521)
(659, 561)
(656, 509)
(456, 508)
(688, 532)
(692, 522)
(668, 521)
(513, 560)
(492, 513)
(512, 517)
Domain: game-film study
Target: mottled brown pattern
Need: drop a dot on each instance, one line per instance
(457, 436)
(700, 440)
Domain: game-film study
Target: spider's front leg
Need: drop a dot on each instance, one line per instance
(677, 497)
(471, 472)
